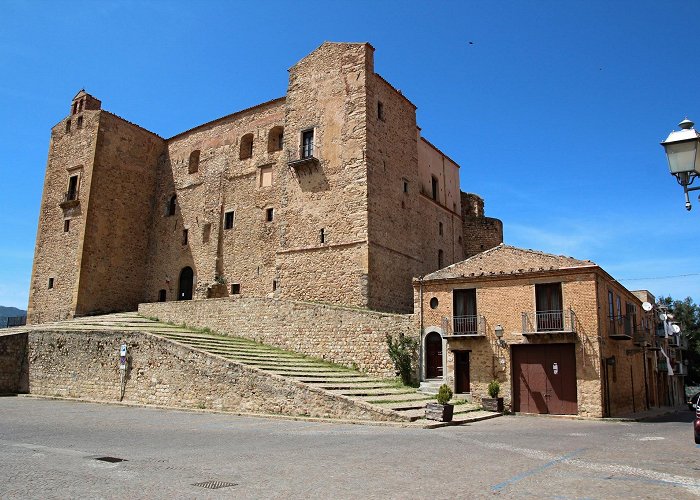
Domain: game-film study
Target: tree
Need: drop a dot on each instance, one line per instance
(687, 313)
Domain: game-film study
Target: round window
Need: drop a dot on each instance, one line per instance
(433, 303)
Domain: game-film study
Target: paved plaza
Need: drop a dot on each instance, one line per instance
(65, 449)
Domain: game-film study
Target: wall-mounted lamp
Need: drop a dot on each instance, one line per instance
(498, 330)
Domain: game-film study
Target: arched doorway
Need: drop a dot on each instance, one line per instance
(186, 278)
(433, 355)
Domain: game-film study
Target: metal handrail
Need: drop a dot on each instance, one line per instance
(558, 320)
(465, 325)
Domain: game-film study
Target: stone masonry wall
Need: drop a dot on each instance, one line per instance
(13, 363)
(58, 252)
(346, 336)
(480, 233)
(160, 372)
(114, 268)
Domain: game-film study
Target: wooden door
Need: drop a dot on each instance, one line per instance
(544, 379)
(462, 372)
(433, 355)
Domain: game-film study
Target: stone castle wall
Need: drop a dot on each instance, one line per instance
(481, 233)
(14, 364)
(350, 337)
(85, 365)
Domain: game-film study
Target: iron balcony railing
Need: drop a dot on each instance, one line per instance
(468, 325)
(554, 321)
(621, 327)
(305, 154)
(642, 337)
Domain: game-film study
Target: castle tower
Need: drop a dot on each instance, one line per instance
(91, 239)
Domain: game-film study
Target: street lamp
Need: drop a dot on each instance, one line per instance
(683, 152)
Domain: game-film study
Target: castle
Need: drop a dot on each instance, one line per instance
(327, 194)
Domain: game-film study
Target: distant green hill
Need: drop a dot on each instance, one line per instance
(9, 312)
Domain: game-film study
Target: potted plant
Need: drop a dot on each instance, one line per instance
(442, 410)
(493, 403)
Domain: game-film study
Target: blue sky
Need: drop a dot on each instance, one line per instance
(555, 110)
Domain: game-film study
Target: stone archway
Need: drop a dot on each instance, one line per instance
(433, 355)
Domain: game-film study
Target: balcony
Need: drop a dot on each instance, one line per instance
(680, 370)
(467, 326)
(549, 322)
(642, 338)
(621, 327)
(70, 200)
(305, 156)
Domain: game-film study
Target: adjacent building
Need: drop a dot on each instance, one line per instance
(329, 193)
(560, 334)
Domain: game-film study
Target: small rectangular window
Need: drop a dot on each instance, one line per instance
(405, 186)
(161, 295)
(184, 236)
(274, 285)
(228, 220)
(266, 176)
(440, 228)
(380, 110)
(80, 122)
(66, 225)
(307, 144)
(270, 214)
(50, 283)
(235, 288)
(67, 125)
(435, 187)
(323, 235)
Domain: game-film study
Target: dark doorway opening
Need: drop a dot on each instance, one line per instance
(433, 355)
(186, 278)
(462, 372)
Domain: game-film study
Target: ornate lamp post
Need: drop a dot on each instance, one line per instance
(683, 152)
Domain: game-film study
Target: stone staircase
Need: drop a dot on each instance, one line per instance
(388, 394)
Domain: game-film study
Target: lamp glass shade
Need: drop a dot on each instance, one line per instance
(683, 156)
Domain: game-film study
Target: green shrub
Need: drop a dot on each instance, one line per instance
(494, 388)
(403, 353)
(444, 394)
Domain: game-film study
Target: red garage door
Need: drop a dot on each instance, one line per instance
(544, 379)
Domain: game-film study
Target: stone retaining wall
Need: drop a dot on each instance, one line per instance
(161, 372)
(13, 363)
(350, 337)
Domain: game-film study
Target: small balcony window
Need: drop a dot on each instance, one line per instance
(549, 313)
(307, 144)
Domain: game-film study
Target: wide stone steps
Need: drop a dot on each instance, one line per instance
(387, 394)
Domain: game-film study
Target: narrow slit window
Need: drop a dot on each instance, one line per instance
(161, 295)
(274, 285)
(322, 235)
(66, 225)
(80, 122)
(435, 187)
(50, 283)
(441, 259)
(185, 233)
(440, 228)
(67, 125)
(405, 186)
(380, 110)
(269, 214)
(72, 188)
(172, 205)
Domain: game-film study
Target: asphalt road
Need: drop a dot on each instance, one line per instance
(52, 449)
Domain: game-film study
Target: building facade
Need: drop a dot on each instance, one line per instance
(328, 194)
(559, 334)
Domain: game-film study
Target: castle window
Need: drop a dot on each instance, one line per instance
(75, 107)
(307, 144)
(50, 283)
(80, 104)
(80, 122)
(266, 176)
(235, 288)
(246, 147)
(274, 285)
(405, 186)
(161, 295)
(67, 126)
(441, 259)
(172, 205)
(435, 187)
(380, 110)
(193, 165)
(269, 214)
(440, 228)
(275, 139)
(66, 225)
(72, 193)
(184, 236)
(206, 232)
(323, 235)
(228, 220)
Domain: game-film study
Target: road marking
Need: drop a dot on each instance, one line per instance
(536, 470)
(652, 438)
(689, 483)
